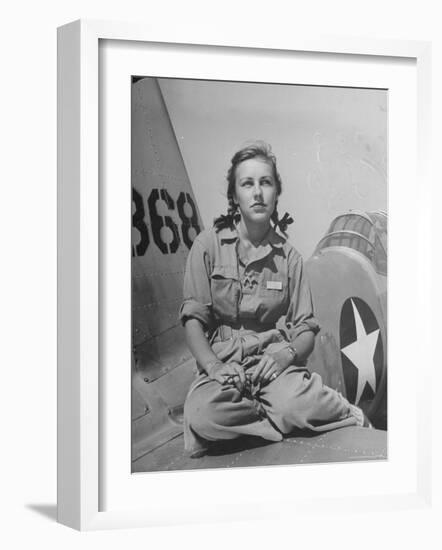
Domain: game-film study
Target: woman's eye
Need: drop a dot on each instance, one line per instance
(267, 182)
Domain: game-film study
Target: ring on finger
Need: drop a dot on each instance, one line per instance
(274, 375)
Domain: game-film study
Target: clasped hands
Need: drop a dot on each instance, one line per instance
(268, 369)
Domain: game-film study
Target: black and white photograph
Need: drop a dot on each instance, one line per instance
(259, 274)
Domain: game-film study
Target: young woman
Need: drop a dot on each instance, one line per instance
(249, 322)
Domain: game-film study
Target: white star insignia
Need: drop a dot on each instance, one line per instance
(361, 353)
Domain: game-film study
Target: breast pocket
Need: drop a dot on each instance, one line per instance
(225, 291)
(273, 293)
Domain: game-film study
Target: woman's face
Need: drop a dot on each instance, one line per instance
(255, 190)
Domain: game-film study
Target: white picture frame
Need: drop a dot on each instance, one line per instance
(80, 439)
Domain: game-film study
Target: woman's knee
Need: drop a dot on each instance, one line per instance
(201, 411)
(294, 412)
(296, 403)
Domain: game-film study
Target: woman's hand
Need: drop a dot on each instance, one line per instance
(270, 367)
(227, 373)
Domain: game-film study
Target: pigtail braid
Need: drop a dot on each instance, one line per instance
(230, 219)
(282, 223)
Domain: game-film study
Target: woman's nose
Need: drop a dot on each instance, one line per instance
(257, 190)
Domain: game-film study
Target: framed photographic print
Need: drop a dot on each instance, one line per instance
(193, 356)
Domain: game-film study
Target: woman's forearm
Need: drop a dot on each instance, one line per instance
(303, 344)
(198, 343)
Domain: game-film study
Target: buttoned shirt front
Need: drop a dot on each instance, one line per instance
(222, 289)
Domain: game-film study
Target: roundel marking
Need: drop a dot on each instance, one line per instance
(361, 350)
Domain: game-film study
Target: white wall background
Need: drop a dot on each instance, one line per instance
(28, 287)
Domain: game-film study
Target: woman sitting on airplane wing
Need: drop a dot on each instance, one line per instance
(249, 321)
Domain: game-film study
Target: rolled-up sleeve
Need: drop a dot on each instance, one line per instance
(197, 298)
(300, 317)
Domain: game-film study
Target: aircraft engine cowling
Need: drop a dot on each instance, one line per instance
(350, 303)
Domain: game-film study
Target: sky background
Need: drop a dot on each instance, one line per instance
(330, 144)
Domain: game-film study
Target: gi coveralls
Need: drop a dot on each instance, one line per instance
(246, 309)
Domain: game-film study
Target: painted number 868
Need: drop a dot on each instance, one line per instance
(189, 223)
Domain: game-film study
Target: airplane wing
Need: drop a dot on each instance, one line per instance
(346, 444)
